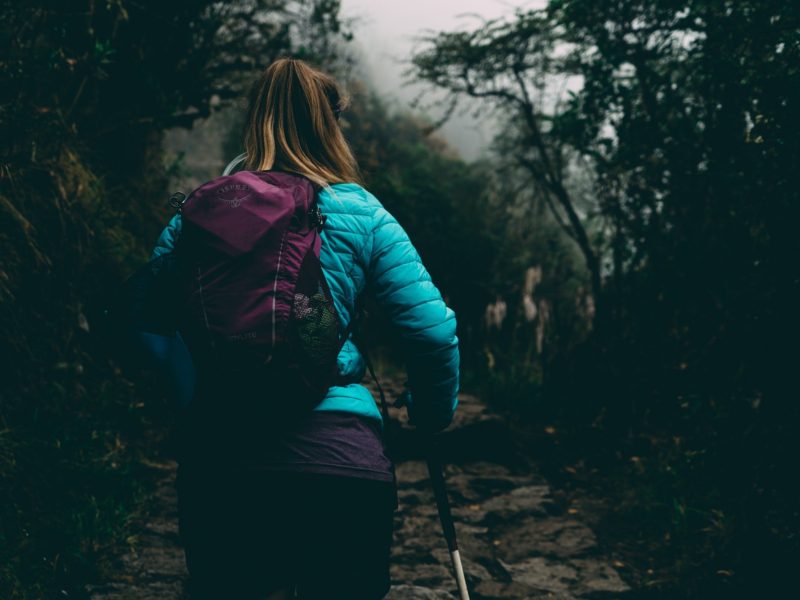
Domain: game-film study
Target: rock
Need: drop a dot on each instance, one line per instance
(415, 592)
(539, 573)
(412, 473)
(579, 577)
(431, 575)
(150, 561)
(167, 528)
(596, 577)
(510, 506)
(137, 591)
(517, 591)
(553, 537)
(484, 469)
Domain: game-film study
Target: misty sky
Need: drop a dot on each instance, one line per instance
(385, 34)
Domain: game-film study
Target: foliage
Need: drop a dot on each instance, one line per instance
(86, 89)
(685, 121)
(699, 186)
(511, 66)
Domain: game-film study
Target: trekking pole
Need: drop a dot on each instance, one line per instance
(446, 518)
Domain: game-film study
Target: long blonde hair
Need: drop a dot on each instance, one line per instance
(292, 125)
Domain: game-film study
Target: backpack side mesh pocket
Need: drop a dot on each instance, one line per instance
(314, 326)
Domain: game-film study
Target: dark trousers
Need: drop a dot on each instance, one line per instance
(248, 533)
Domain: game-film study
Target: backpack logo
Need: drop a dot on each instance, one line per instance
(235, 201)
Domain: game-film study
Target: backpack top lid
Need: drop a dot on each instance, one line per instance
(239, 211)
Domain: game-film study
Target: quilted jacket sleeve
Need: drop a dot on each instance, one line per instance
(426, 326)
(166, 241)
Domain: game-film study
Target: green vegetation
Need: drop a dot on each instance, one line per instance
(683, 115)
(632, 236)
(86, 90)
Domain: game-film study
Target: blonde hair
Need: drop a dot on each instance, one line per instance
(292, 125)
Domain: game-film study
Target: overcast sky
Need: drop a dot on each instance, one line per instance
(385, 33)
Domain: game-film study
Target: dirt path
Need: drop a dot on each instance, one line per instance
(516, 540)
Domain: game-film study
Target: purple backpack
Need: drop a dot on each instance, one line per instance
(259, 318)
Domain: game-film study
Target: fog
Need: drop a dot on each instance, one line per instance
(388, 31)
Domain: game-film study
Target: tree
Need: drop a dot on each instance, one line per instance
(86, 90)
(687, 112)
(686, 124)
(514, 65)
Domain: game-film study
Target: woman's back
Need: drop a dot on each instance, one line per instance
(325, 478)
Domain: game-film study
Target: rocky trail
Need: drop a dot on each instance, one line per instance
(516, 540)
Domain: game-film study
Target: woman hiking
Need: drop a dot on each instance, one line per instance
(269, 508)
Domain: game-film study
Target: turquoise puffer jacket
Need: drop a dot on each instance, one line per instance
(364, 249)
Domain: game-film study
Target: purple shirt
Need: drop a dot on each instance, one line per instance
(330, 442)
